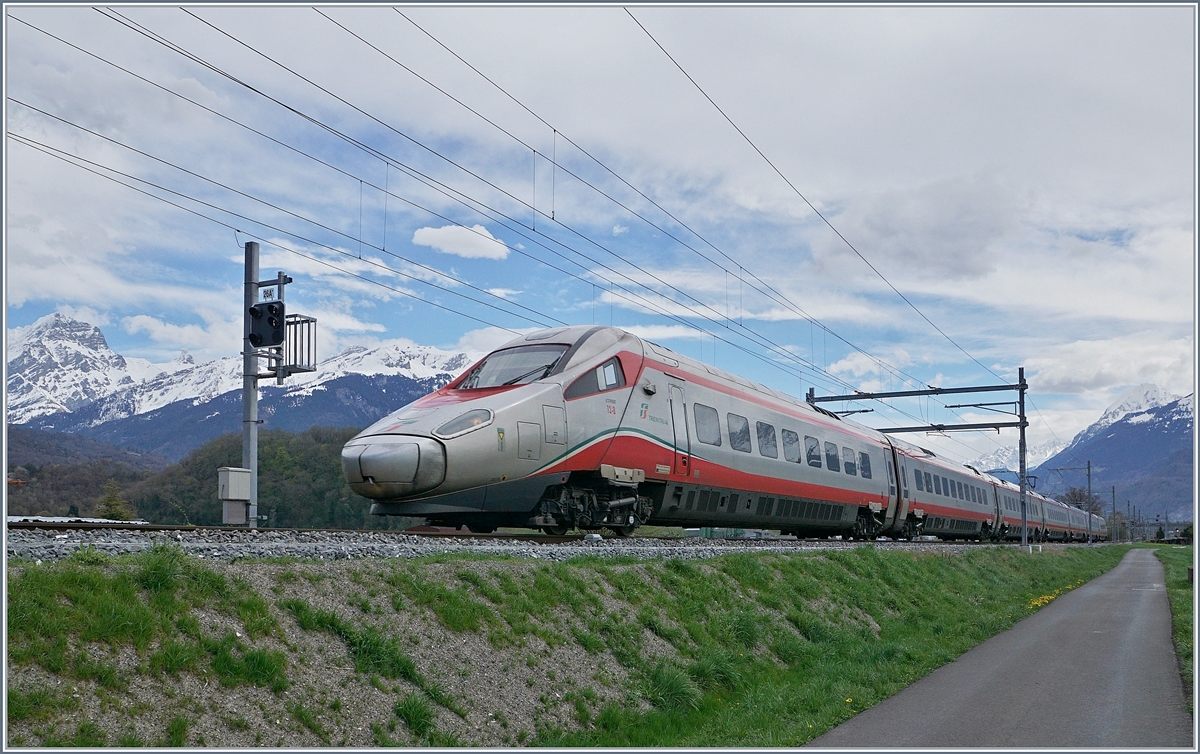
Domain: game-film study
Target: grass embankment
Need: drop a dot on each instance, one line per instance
(743, 650)
(1176, 561)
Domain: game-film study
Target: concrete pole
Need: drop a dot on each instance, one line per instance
(1024, 515)
(1089, 512)
(250, 384)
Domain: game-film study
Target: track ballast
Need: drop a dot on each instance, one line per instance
(226, 543)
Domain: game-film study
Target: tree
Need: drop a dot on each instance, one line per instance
(112, 506)
(1160, 534)
(1078, 497)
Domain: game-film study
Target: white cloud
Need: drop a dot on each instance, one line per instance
(1113, 364)
(473, 243)
(487, 339)
(666, 332)
(216, 336)
(620, 230)
(84, 314)
(507, 293)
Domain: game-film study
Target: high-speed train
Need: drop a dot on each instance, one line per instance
(595, 428)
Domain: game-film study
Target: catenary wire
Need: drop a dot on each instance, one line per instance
(804, 198)
(343, 234)
(776, 348)
(778, 297)
(773, 294)
(44, 147)
(821, 215)
(756, 355)
(461, 198)
(677, 303)
(75, 161)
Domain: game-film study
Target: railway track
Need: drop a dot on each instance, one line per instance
(146, 527)
(455, 534)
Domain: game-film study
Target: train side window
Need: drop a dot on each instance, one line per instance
(812, 451)
(831, 457)
(891, 476)
(962, 493)
(904, 482)
(739, 432)
(766, 440)
(848, 462)
(971, 492)
(937, 483)
(920, 482)
(708, 424)
(791, 445)
(864, 465)
(607, 376)
(928, 486)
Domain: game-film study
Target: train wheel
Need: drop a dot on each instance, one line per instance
(624, 531)
(555, 531)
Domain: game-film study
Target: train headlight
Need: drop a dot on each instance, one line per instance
(480, 417)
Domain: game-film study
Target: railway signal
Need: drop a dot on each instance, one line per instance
(267, 324)
(288, 345)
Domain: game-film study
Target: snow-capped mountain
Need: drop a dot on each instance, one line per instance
(1136, 401)
(1009, 458)
(59, 366)
(1139, 452)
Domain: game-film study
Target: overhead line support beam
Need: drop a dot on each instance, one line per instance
(1020, 387)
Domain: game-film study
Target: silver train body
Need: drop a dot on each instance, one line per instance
(593, 427)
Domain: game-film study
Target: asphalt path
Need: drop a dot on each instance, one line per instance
(1095, 668)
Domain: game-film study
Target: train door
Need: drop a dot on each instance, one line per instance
(679, 425)
(897, 504)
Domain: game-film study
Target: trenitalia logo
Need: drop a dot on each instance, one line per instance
(645, 411)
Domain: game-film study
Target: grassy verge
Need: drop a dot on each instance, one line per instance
(773, 651)
(753, 649)
(1180, 592)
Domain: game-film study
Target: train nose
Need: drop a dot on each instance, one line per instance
(386, 467)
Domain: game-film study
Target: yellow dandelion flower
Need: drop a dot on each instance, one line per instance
(848, 700)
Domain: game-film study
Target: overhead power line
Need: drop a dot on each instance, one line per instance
(770, 292)
(375, 152)
(462, 198)
(820, 214)
(765, 342)
(76, 161)
(792, 186)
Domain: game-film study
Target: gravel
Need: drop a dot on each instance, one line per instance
(225, 545)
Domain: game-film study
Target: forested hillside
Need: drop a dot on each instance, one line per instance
(300, 484)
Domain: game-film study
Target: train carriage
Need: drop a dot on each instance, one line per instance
(593, 427)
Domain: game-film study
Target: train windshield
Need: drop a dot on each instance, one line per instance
(515, 366)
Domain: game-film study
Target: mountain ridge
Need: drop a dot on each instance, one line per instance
(59, 365)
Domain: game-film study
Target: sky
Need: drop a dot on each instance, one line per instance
(838, 198)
